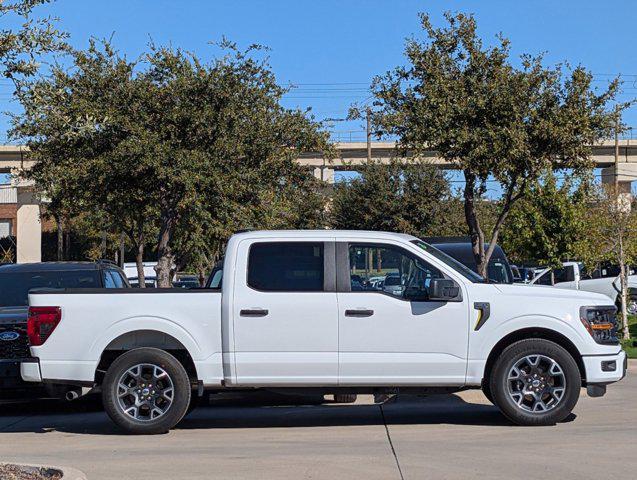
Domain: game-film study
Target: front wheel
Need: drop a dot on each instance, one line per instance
(146, 391)
(535, 382)
(631, 305)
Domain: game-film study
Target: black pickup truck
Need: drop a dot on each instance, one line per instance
(16, 280)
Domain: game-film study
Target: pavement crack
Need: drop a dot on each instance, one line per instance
(391, 444)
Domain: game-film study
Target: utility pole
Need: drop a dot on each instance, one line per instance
(369, 134)
(617, 150)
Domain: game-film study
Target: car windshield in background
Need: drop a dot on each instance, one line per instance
(14, 287)
(450, 261)
(498, 271)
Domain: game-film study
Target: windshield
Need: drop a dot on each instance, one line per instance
(498, 271)
(392, 280)
(14, 287)
(450, 261)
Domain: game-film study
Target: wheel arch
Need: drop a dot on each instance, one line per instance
(145, 338)
(534, 332)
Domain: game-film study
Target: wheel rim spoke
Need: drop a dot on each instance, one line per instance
(145, 392)
(536, 383)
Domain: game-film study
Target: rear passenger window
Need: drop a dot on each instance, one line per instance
(286, 267)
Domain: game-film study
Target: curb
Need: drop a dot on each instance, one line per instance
(68, 473)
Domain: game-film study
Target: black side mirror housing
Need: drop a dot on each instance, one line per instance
(444, 290)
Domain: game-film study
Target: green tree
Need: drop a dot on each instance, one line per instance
(491, 118)
(611, 235)
(21, 47)
(170, 146)
(412, 197)
(544, 226)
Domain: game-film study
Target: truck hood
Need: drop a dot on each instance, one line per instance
(537, 292)
(13, 315)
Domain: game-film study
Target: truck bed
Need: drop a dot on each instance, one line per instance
(95, 320)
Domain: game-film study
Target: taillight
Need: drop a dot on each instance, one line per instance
(41, 323)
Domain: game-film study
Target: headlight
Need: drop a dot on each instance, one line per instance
(601, 323)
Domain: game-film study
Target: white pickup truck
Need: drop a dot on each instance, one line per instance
(295, 311)
(604, 280)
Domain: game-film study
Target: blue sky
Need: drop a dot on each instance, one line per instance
(332, 49)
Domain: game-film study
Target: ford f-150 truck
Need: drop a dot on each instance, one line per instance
(287, 317)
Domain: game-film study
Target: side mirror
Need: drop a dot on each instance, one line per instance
(444, 290)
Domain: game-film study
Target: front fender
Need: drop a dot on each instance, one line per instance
(566, 327)
(483, 342)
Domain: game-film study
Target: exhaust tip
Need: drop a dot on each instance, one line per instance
(72, 395)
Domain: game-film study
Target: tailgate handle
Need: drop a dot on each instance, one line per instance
(254, 312)
(359, 313)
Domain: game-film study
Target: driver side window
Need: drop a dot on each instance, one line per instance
(389, 269)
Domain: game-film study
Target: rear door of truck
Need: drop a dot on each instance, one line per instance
(284, 312)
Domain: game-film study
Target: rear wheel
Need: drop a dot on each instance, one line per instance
(535, 382)
(146, 391)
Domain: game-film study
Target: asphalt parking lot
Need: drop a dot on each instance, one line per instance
(443, 437)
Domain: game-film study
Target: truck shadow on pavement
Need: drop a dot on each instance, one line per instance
(87, 417)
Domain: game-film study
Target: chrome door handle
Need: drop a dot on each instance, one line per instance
(253, 312)
(359, 313)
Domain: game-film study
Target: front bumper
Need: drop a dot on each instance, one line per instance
(605, 369)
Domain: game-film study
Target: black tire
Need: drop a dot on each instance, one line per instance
(558, 409)
(345, 397)
(194, 403)
(176, 407)
(486, 390)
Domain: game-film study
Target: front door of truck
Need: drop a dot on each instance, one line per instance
(387, 339)
(284, 312)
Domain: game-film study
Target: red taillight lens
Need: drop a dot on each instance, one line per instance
(41, 323)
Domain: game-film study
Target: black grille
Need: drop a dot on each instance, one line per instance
(18, 348)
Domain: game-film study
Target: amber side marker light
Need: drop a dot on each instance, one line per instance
(602, 326)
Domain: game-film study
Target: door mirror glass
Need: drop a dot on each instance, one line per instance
(443, 290)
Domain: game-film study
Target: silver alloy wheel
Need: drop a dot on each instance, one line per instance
(631, 306)
(536, 383)
(145, 392)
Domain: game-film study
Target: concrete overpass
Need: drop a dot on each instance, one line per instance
(353, 154)
(20, 209)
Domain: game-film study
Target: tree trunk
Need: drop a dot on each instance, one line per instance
(475, 232)
(139, 262)
(60, 238)
(67, 245)
(164, 254)
(624, 288)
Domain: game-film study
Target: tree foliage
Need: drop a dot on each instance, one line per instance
(412, 198)
(490, 117)
(611, 236)
(545, 226)
(21, 47)
(170, 146)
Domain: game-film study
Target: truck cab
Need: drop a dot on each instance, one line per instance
(303, 310)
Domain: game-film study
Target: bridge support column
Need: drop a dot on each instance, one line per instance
(29, 228)
(325, 174)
